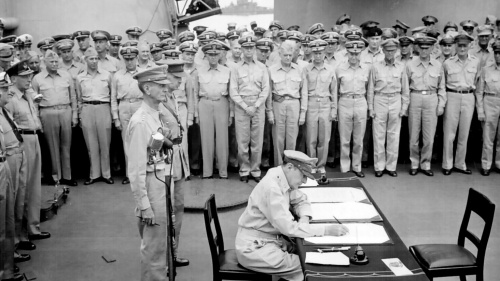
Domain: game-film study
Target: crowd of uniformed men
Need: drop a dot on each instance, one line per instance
(238, 100)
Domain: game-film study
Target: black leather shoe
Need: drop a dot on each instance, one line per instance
(466, 171)
(359, 174)
(69, 182)
(446, 172)
(392, 173)
(188, 178)
(206, 178)
(485, 172)
(90, 181)
(22, 258)
(26, 245)
(181, 262)
(17, 277)
(108, 180)
(195, 172)
(364, 164)
(244, 178)
(256, 179)
(16, 269)
(223, 178)
(379, 174)
(428, 173)
(232, 169)
(331, 165)
(40, 236)
(413, 172)
(125, 180)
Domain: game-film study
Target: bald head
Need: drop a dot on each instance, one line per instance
(144, 53)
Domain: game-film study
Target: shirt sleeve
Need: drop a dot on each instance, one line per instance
(282, 219)
(371, 87)
(137, 163)
(234, 87)
(441, 89)
(264, 92)
(480, 94)
(303, 92)
(114, 95)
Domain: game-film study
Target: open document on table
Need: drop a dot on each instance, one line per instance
(349, 211)
(359, 233)
(334, 258)
(336, 194)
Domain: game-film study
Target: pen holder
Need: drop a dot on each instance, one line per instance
(359, 257)
(323, 180)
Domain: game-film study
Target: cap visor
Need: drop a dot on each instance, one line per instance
(179, 74)
(163, 82)
(308, 174)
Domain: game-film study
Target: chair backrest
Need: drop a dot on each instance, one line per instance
(484, 208)
(216, 242)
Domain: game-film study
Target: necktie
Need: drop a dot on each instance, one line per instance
(13, 125)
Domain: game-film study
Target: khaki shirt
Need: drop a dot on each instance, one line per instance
(73, 69)
(322, 82)
(123, 86)
(387, 79)
(144, 123)
(191, 88)
(9, 138)
(486, 56)
(270, 208)
(149, 64)
(200, 59)
(332, 61)
(488, 82)
(56, 90)
(290, 83)
(369, 57)
(461, 76)
(93, 88)
(23, 110)
(352, 80)
(213, 83)
(108, 63)
(427, 78)
(249, 84)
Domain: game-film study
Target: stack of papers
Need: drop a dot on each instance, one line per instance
(332, 258)
(332, 195)
(359, 233)
(349, 211)
(397, 267)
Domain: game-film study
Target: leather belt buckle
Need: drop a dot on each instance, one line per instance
(424, 93)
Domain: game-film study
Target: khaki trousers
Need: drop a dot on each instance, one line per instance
(96, 127)
(250, 136)
(490, 130)
(285, 128)
(125, 111)
(56, 122)
(422, 117)
(183, 114)
(18, 167)
(33, 183)
(264, 254)
(318, 130)
(7, 225)
(352, 122)
(386, 125)
(457, 115)
(214, 121)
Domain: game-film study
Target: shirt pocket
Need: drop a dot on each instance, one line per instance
(471, 74)
(222, 83)
(204, 83)
(279, 84)
(62, 86)
(433, 79)
(295, 82)
(454, 75)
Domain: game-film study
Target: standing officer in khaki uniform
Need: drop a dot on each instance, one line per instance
(148, 191)
(461, 73)
(58, 113)
(352, 82)
(272, 207)
(67, 62)
(215, 111)
(25, 114)
(105, 61)
(11, 163)
(332, 38)
(388, 99)
(488, 111)
(83, 39)
(126, 97)
(427, 102)
(249, 89)
(93, 88)
(321, 104)
(133, 32)
(286, 106)
(163, 34)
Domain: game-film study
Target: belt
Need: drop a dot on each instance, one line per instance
(259, 234)
(131, 100)
(28, 132)
(211, 98)
(2, 159)
(387, 94)
(489, 94)
(352, 96)
(96, 102)
(58, 106)
(14, 150)
(318, 98)
(423, 92)
(460, 92)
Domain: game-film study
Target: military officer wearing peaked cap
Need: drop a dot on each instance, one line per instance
(45, 44)
(321, 104)
(388, 99)
(232, 35)
(345, 18)
(461, 73)
(316, 29)
(65, 48)
(82, 37)
(186, 36)
(105, 61)
(352, 81)
(114, 45)
(450, 25)
(215, 110)
(156, 51)
(199, 29)
(332, 40)
(249, 89)
(401, 28)
(130, 43)
(148, 191)
(429, 20)
(488, 105)
(306, 50)
(200, 58)
(482, 50)
(269, 216)
(427, 102)
(163, 34)
(259, 32)
(133, 32)
(6, 56)
(168, 44)
(231, 26)
(468, 26)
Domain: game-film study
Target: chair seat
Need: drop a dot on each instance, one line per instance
(436, 256)
(229, 263)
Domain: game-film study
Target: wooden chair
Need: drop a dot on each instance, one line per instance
(440, 260)
(224, 262)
